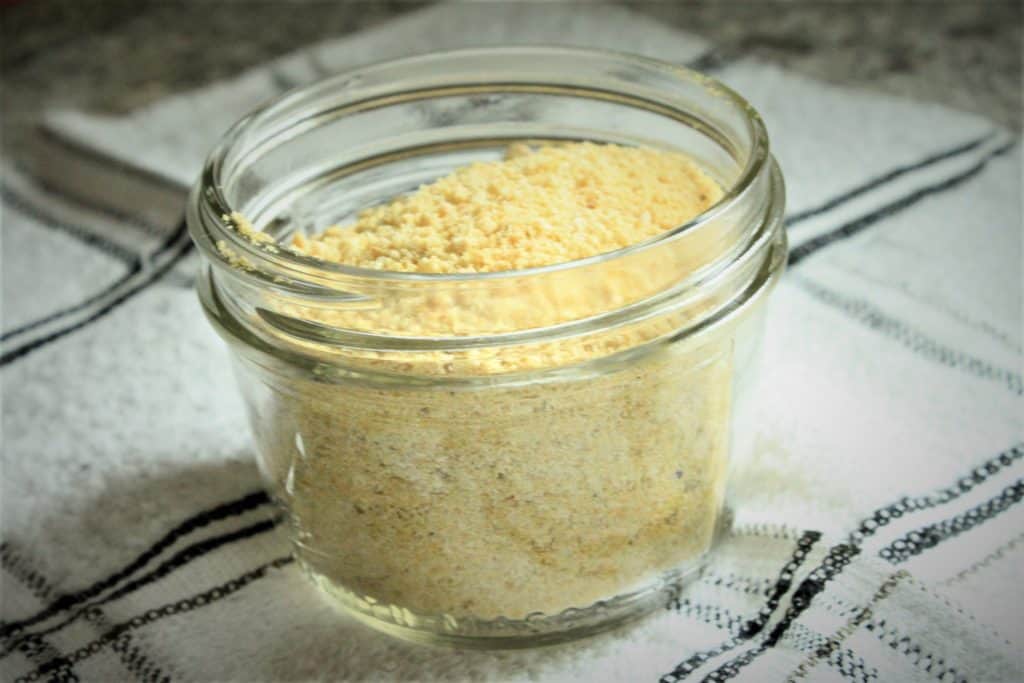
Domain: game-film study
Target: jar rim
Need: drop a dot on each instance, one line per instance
(209, 198)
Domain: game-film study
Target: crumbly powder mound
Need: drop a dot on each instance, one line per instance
(534, 208)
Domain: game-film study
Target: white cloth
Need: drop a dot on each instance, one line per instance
(880, 533)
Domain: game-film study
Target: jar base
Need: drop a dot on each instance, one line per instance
(503, 633)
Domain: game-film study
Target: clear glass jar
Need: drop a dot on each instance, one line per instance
(497, 459)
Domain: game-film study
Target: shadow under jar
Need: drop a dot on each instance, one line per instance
(498, 459)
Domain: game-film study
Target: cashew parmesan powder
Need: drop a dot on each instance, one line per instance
(489, 497)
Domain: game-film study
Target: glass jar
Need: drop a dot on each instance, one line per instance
(497, 459)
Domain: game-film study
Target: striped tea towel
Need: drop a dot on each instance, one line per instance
(881, 537)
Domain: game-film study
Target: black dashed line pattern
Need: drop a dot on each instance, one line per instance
(739, 584)
(222, 511)
(752, 627)
(913, 340)
(906, 505)
(130, 654)
(925, 538)
(838, 557)
(178, 560)
(926, 661)
(845, 662)
(190, 604)
(36, 650)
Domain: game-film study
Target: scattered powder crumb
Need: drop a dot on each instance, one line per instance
(246, 229)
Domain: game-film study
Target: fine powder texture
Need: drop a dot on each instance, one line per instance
(502, 501)
(488, 499)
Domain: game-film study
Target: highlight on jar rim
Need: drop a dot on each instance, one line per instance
(493, 326)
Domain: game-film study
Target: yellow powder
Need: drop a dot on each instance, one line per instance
(535, 208)
(413, 501)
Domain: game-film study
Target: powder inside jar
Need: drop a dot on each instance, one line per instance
(505, 500)
(534, 208)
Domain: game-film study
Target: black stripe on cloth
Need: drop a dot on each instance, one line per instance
(864, 312)
(761, 530)
(197, 601)
(966, 319)
(102, 158)
(96, 207)
(834, 642)
(886, 178)
(985, 562)
(928, 662)
(738, 584)
(799, 253)
(751, 627)
(181, 250)
(907, 505)
(222, 511)
(882, 630)
(86, 237)
(38, 651)
(135, 269)
(171, 239)
(716, 615)
(846, 662)
(15, 565)
(840, 555)
(927, 537)
(130, 654)
(178, 560)
(133, 659)
(851, 665)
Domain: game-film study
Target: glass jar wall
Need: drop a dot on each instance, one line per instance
(491, 459)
